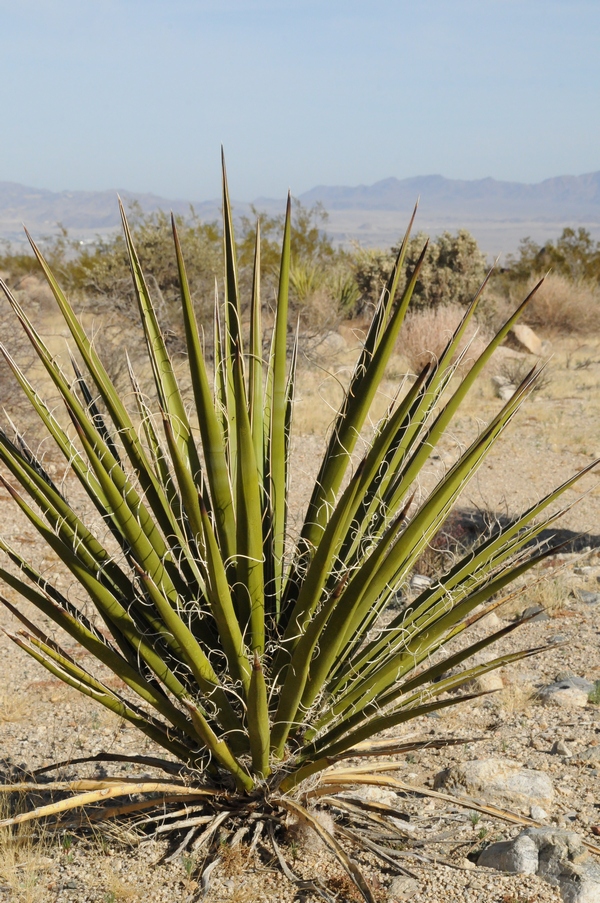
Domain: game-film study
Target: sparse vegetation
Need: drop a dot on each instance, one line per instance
(241, 647)
(427, 331)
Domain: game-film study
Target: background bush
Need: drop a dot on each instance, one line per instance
(327, 284)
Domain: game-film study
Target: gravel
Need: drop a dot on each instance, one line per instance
(42, 721)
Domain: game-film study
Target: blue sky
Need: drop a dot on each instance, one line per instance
(140, 94)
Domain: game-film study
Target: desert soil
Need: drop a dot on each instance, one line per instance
(41, 721)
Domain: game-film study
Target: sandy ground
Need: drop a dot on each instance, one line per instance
(42, 721)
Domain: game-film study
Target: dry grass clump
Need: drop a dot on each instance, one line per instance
(119, 891)
(549, 595)
(23, 860)
(516, 698)
(564, 305)
(13, 707)
(426, 333)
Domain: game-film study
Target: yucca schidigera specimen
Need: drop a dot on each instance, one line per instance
(253, 661)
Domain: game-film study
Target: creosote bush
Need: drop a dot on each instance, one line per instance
(256, 660)
(451, 272)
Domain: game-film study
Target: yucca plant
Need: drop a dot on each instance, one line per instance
(256, 660)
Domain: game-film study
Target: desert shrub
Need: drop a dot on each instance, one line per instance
(104, 272)
(322, 288)
(562, 305)
(312, 245)
(452, 271)
(370, 268)
(426, 333)
(14, 402)
(574, 255)
(255, 660)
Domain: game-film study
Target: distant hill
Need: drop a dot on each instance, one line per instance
(498, 213)
(570, 197)
(84, 213)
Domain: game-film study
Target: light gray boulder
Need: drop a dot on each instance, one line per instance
(519, 856)
(500, 781)
(572, 692)
(557, 856)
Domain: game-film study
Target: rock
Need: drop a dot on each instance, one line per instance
(500, 781)
(589, 756)
(560, 748)
(557, 638)
(538, 813)
(503, 387)
(535, 613)
(518, 856)
(571, 692)
(527, 340)
(490, 622)
(486, 683)
(586, 596)
(557, 856)
(419, 582)
(403, 888)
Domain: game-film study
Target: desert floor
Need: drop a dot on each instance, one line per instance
(557, 432)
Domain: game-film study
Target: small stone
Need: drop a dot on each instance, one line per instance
(420, 582)
(375, 795)
(560, 748)
(538, 813)
(535, 613)
(519, 856)
(589, 598)
(403, 888)
(506, 392)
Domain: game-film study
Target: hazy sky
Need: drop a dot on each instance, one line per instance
(140, 94)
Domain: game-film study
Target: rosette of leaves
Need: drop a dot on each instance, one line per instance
(254, 660)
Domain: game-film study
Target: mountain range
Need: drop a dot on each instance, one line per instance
(498, 213)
